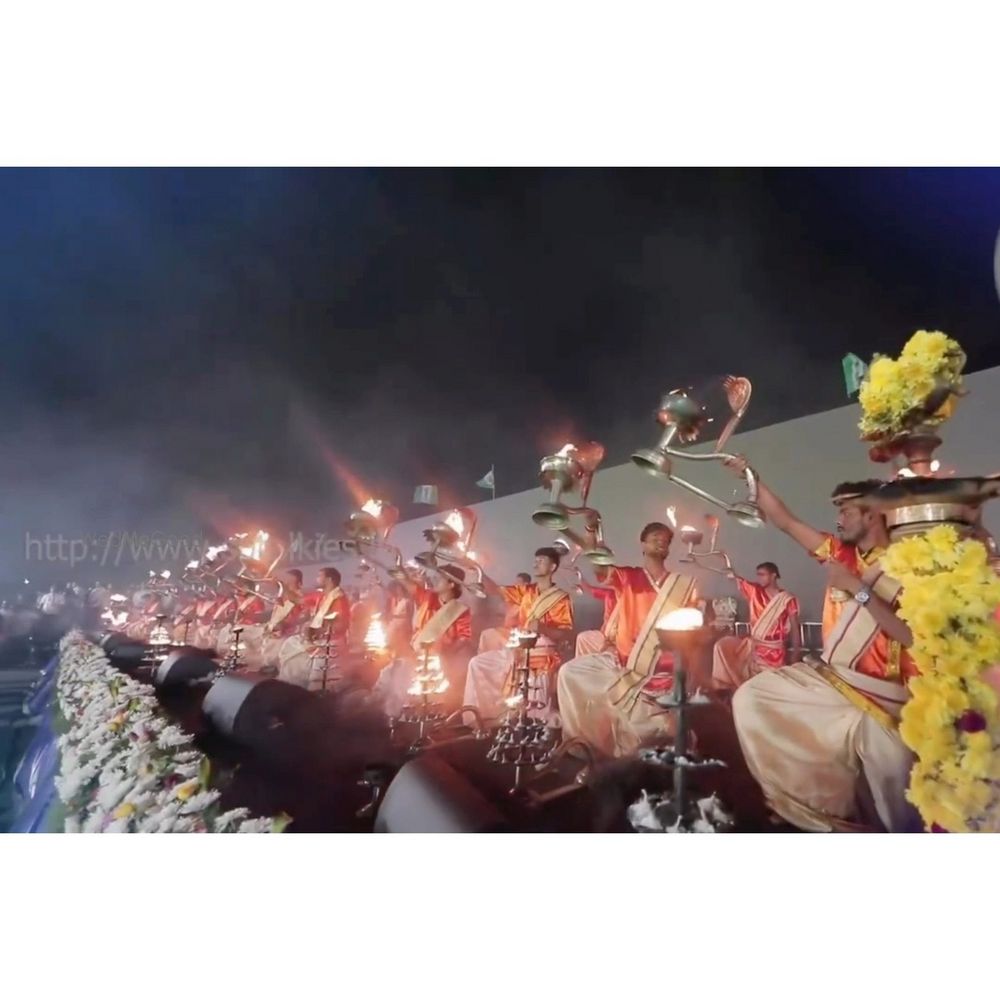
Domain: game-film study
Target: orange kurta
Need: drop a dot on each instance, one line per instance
(636, 591)
(884, 658)
(458, 630)
(185, 613)
(221, 611)
(341, 606)
(249, 609)
(758, 599)
(425, 604)
(293, 621)
(607, 595)
(524, 595)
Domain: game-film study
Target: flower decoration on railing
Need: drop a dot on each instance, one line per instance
(124, 767)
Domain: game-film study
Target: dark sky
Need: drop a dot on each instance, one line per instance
(189, 346)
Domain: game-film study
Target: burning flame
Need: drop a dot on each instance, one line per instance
(428, 679)
(192, 565)
(672, 516)
(517, 634)
(456, 522)
(681, 620)
(566, 450)
(469, 554)
(375, 638)
(373, 507)
(256, 550)
(159, 636)
(513, 701)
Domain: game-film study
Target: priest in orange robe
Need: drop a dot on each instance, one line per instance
(606, 698)
(774, 632)
(544, 609)
(447, 634)
(821, 737)
(304, 663)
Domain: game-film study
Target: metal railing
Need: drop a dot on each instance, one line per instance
(810, 635)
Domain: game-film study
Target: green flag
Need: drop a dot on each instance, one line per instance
(854, 372)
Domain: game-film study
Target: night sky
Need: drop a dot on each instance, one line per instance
(189, 348)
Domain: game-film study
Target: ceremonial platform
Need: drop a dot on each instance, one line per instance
(317, 759)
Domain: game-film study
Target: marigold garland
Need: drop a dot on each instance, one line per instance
(894, 390)
(952, 721)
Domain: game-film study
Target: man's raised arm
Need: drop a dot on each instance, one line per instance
(774, 509)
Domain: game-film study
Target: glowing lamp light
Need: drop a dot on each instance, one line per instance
(519, 638)
(428, 679)
(454, 521)
(681, 620)
(192, 565)
(165, 574)
(159, 636)
(375, 637)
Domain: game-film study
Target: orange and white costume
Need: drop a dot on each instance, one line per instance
(488, 672)
(736, 659)
(821, 738)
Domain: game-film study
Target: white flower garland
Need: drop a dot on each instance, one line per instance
(124, 768)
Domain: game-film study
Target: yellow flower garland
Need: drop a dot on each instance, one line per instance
(894, 390)
(952, 721)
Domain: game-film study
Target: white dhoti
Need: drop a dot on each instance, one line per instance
(587, 713)
(492, 639)
(270, 649)
(183, 634)
(823, 763)
(590, 642)
(302, 663)
(204, 636)
(390, 690)
(733, 663)
(486, 680)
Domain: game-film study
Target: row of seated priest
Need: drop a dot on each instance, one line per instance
(318, 638)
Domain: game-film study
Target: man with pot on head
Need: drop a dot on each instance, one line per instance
(821, 738)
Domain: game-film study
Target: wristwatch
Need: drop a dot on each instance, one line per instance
(863, 596)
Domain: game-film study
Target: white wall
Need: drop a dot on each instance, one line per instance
(801, 460)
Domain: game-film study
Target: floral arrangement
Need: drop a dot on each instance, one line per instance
(124, 768)
(952, 720)
(895, 391)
